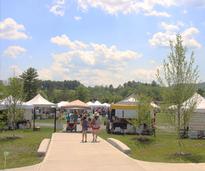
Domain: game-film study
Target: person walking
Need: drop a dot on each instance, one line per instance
(84, 124)
(95, 126)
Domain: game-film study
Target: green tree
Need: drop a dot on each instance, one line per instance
(30, 83)
(143, 112)
(82, 93)
(14, 101)
(179, 78)
(3, 90)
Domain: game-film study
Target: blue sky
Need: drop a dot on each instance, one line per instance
(98, 42)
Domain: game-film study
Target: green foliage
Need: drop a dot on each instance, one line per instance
(82, 93)
(30, 83)
(15, 89)
(3, 90)
(3, 119)
(143, 113)
(144, 110)
(179, 81)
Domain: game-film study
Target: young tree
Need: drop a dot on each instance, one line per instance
(179, 79)
(143, 113)
(30, 83)
(14, 101)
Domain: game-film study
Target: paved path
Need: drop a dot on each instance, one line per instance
(67, 153)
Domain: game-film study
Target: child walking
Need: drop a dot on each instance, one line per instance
(84, 124)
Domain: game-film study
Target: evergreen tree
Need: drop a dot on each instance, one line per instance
(30, 83)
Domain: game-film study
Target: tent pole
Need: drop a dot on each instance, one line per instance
(54, 119)
(34, 118)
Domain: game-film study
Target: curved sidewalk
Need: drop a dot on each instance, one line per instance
(66, 152)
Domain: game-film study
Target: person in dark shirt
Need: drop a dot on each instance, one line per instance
(85, 125)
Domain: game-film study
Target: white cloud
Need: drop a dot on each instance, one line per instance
(128, 6)
(90, 52)
(14, 51)
(58, 7)
(77, 18)
(63, 40)
(169, 33)
(11, 30)
(94, 64)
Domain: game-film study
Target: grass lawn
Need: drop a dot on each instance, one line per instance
(51, 121)
(162, 148)
(22, 151)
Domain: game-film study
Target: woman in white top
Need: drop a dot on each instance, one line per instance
(95, 126)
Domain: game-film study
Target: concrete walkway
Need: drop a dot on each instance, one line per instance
(66, 152)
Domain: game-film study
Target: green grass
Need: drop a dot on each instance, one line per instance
(22, 151)
(45, 121)
(162, 148)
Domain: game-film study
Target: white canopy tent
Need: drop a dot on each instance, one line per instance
(62, 104)
(197, 119)
(39, 101)
(106, 105)
(97, 104)
(89, 103)
(10, 101)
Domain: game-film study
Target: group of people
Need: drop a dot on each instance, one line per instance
(92, 124)
(87, 123)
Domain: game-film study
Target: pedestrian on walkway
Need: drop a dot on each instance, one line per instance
(84, 124)
(95, 126)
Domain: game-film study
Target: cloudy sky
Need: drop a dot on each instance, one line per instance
(98, 42)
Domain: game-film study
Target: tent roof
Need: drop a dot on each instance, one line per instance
(89, 103)
(77, 104)
(130, 100)
(200, 103)
(106, 104)
(130, 103)
(39, 101)
(62, 104)
(10, 100)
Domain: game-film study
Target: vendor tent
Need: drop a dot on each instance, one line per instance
(97, 104)
(106, 105)
(129, 103)
(89, 103)
(62, 104)
(197, 120)
(39, 101)
(10, 100)
(77, 104)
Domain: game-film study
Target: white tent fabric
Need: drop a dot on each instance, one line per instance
(62, 104)
(131, 100)
(89, 103)
(39, 101)
(10, 100)
(97, 104)
(200, 103)
(106, 104)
